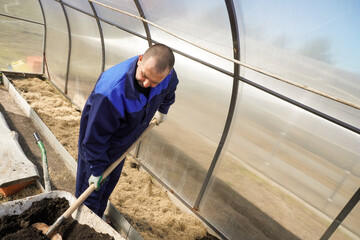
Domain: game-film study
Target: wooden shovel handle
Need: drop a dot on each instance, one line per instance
(106, 173)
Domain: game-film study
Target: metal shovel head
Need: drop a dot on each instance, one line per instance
(44, 228)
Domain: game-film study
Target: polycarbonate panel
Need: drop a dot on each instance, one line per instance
(337, 110)
(203, 23)
(29, 9)
(119, 18)
(57, 43)
(120, 45)
(21, 45)
(83, 5)
(314, 44)
(180, 150)
(284, 173)
(86, 57)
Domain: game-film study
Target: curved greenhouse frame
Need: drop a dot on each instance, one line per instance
(264, 135)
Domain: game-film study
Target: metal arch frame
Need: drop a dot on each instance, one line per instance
(146, 26)
(236, 50)
(69, 50)
(148, 37)
(101, 36)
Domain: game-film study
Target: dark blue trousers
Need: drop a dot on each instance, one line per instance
(97, 201)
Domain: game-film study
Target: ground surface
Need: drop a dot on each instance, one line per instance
(145, 205)
(21, 124)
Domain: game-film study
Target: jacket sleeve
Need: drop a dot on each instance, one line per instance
(103, 120)
(170, 96)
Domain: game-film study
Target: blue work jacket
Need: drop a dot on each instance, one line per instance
(116, 114)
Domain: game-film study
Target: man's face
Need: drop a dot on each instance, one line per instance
(146, 74)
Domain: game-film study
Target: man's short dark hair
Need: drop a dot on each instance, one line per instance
(163, 55)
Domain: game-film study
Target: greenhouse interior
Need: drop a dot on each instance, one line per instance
(262, 141)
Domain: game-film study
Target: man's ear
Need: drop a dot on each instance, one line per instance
(139, 60)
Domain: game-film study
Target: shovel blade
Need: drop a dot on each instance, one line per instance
(44, 228)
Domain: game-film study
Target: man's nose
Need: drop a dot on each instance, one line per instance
(146, 83)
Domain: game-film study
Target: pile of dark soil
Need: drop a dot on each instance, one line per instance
(19, 227)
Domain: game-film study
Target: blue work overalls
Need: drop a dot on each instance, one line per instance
(114, 117)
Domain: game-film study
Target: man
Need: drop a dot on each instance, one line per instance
(125, 99)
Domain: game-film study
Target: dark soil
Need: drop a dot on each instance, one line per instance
(18, 227)
(26, 233)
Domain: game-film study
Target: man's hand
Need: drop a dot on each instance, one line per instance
(160, 117)
(96, 181)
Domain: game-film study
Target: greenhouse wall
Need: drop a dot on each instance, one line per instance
(241, 145)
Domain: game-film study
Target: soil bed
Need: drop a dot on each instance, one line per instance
(46, 211)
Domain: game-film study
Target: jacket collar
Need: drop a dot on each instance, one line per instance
(130, 90)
